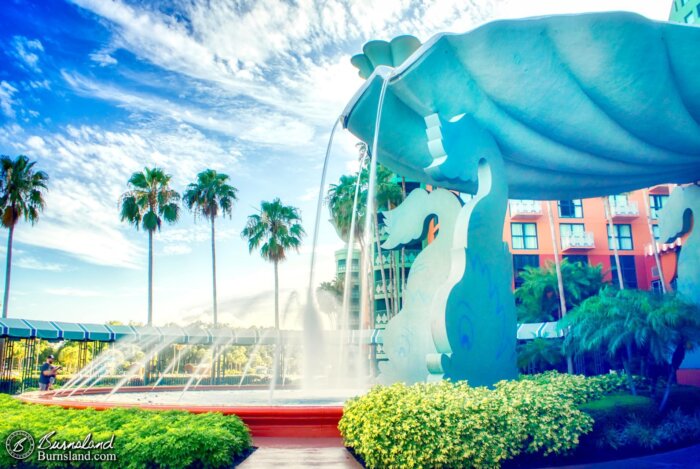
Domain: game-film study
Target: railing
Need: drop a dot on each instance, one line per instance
(624, 209)
(578, 241)
(525, 208)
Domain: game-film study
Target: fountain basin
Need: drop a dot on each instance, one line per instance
(291, 413)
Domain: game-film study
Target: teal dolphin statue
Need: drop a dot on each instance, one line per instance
(546, 108)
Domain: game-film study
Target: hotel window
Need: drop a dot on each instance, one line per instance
(690, 18)
(523, 235)
(683, 2)
(623, 233)
(568, 230)
(570, 208)
(520, 261)
(629, 272)
(655, 230)
(656, 203)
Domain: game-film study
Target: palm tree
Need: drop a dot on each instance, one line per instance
(275, 230)
(207, 197)
(22, 191)
(148, 202)
(538, 297)
(340, 200)
(539, 354)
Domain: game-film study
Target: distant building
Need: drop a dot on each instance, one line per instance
(582, 234)
(685, 11)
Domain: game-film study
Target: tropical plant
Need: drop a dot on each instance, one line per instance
(635, 327)
(148, 203)
(539, 354)
(22, 190)
(675, 329)
(210, 196)
(538, 296)
(340, 199)
(275, 230)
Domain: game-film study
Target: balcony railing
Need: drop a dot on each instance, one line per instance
(627, 209)
(578, 241)
(525, 209)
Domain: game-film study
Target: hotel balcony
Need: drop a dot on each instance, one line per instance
(525, 209)
(624, 211)
(577, 241)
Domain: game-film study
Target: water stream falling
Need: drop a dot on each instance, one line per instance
(312, 335)
(347, 302)
(366, 267)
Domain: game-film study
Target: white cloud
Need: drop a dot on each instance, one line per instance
(103, 58)
(251, 125)
(32, 263)
(89, 167)
(28, 50)
(6, 99)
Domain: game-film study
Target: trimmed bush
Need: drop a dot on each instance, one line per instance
(143, 438)
(454, 425)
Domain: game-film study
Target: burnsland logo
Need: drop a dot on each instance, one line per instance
(19, 445)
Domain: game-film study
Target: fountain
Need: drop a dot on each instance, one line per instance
(545, 108)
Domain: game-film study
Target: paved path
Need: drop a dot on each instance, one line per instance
(286, 453)
(686, 458)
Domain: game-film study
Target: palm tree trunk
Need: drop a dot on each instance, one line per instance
(150, 277)
(627, 364)
(667, 391)
(560, 280)
(388, 306)
(8, 269)
(277, 325)
(403, 250)
(611, 227)
(213, 269)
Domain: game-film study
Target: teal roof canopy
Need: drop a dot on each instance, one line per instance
(43, 329)
(70, 330)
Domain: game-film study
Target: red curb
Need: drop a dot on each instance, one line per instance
(263, 421)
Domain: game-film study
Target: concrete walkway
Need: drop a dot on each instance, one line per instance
(686, 458)
(287, 453)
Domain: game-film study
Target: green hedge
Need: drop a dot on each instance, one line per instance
(143, 438)
(617, 409)
(453, 425)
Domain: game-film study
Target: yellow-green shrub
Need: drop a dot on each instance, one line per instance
(454, 425)
(143, 438)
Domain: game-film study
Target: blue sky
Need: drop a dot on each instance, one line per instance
(97, 89)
